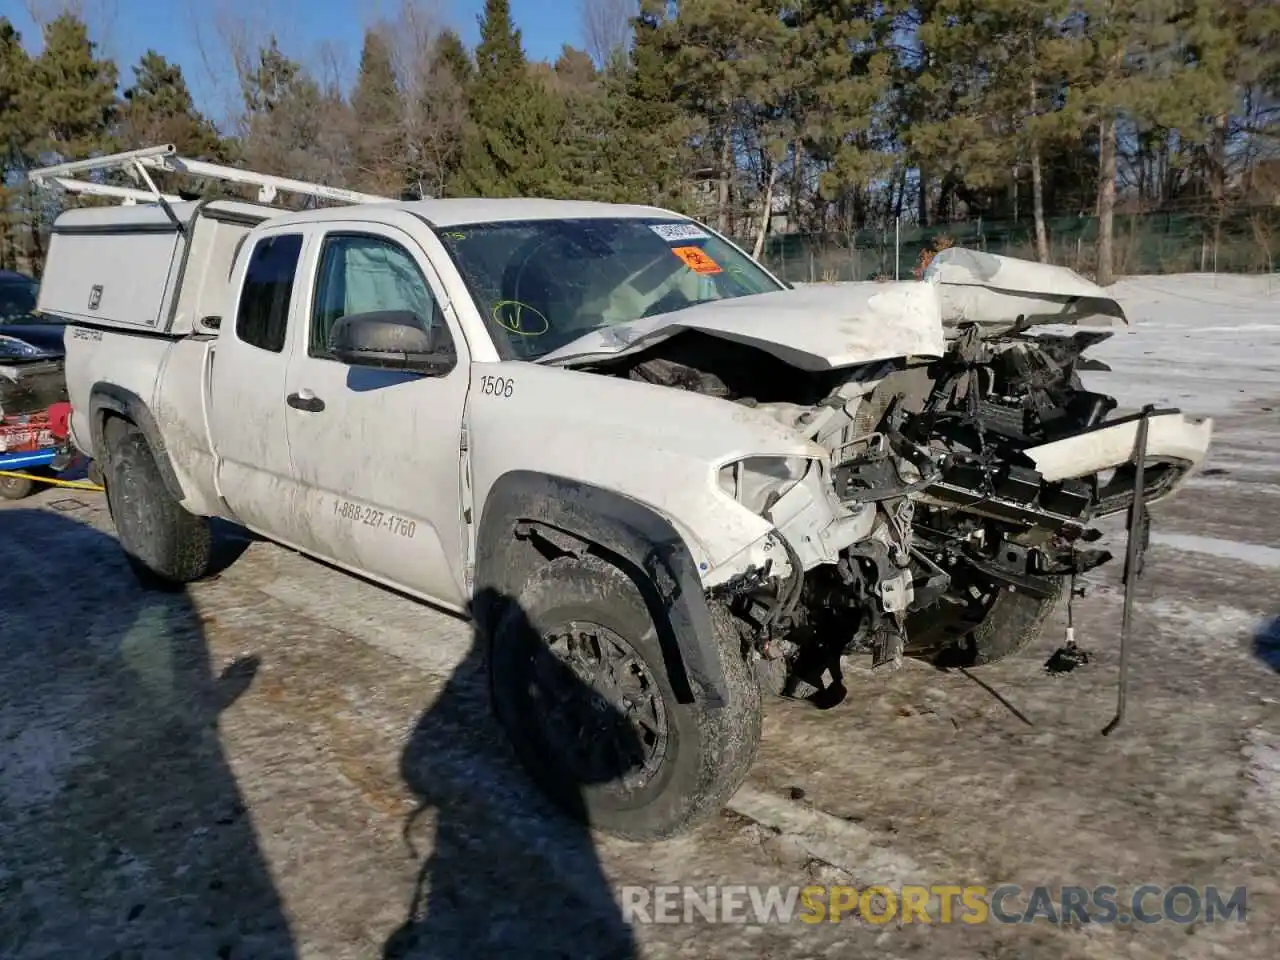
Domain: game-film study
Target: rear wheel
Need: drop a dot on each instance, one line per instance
(16, 488)
(165, 545)
(580, 685)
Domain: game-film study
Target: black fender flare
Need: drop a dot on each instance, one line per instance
(108, 397)
(572, 515)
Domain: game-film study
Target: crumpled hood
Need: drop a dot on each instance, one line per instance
(812, 328)
(1000, 293)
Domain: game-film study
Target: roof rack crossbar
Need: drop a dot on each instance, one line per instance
(164, 157)
(126, 195)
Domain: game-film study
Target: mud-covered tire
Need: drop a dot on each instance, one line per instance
(1012, 623)
(16, 488)
(705, 752)
(166, 546)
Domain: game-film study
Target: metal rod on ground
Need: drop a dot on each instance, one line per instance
(70, 484)
(1134, 547)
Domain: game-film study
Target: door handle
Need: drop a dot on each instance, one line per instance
(305, 400)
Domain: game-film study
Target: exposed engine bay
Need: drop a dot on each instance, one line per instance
(981, 513)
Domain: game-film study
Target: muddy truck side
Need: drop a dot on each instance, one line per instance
(662, 483)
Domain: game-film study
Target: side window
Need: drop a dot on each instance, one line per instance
(263, 317)
(364, 274)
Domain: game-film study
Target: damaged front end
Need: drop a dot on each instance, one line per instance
(958, 493)
(842, 522)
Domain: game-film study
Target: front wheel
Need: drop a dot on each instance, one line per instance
(580, 685)
(993, 625)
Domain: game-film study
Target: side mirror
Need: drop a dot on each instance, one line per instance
(394, 340)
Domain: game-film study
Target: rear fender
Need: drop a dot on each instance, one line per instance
(107, 398)
(524, 506)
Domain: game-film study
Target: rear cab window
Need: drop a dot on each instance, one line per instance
(262, 319)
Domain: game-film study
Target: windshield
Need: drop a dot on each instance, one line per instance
(17, 299)
(541, 284)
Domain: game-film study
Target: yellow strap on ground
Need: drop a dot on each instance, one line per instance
(69, 484)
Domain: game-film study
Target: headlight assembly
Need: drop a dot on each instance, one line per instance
(759, 482)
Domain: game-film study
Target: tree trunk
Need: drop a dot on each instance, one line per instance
(722, 197)
(1219, 180)
(766, 214)
(1037, 205)
(922, 200)
(797, 175)
(1037, 187)
(1106, 198)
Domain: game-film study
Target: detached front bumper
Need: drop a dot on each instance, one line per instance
(1176, 447)
(1082, 478)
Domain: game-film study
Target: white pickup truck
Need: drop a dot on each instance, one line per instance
(659, 479)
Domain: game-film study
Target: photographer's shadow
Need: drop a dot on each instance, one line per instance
(122, 829)
(506, 873)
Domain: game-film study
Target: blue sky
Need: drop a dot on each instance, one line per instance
(181, 29)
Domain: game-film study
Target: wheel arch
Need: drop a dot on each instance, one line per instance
(530, 517)
(108, 399)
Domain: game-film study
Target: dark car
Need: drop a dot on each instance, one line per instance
(18, 317)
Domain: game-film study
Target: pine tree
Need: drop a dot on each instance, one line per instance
(649, 150)
(838, 78)
(291, 127)
(15, 75)
(986, 60)
(158, 108)
(509, 148)
(15, 136)
(72, 93)
(1132, 63)
(271, 80)
(585, 140)
(450, 52)
(379, 149)
(69, 102)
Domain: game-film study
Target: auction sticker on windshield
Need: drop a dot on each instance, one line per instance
(696, 260)
(679, 231)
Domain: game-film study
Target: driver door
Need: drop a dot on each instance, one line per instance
(377, 452)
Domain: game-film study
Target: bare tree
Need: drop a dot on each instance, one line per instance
(606, 27)
(409, 34)
(333, 67)
(435, 120)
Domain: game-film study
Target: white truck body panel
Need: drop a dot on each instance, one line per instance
(667, 459)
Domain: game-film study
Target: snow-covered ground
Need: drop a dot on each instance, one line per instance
(1206, 343)
(235, 771)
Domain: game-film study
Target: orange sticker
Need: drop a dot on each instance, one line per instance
(696, 260)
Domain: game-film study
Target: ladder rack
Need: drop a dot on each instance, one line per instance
(136, 163)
